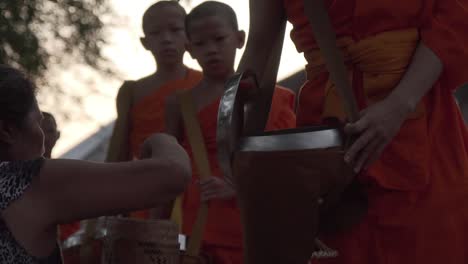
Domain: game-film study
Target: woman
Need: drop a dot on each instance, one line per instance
(37, 194)
(405, 59)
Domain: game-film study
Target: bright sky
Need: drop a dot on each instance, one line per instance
(126, 52)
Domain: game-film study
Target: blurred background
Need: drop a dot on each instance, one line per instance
(79, 52)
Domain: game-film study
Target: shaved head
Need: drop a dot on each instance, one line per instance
(157, 7)
(50, 117)
(209, 9)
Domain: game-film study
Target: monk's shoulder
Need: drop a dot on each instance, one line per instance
(125, 90)
(128, 87)
(124, 98)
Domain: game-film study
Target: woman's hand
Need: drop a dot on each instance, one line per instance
(376, 127)
(161, 145)
(216, 188)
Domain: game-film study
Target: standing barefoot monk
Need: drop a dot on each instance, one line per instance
(140, 104)
(214, 38)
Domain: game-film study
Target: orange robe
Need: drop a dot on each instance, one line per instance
(147, 116)
(418, 189)
(223, 235)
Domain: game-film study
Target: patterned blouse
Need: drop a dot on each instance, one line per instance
(15, 177)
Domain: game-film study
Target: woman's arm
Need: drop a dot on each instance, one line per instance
(119, 149)
(69, 190)
(380, 123)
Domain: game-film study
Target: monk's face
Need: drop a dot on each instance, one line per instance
(213, 42)
(165, 34)
(51, 134)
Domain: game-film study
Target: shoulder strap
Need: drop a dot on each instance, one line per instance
(200, 155)
(326, 40)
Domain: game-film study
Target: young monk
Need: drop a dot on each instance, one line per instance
(214, 37)
(51, 133)
(406, 59)
(140, 104)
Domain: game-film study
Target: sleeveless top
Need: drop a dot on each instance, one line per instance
(15, 178)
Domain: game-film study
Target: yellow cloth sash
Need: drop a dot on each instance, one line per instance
(381, 59)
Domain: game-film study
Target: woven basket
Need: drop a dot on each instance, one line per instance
(141, 241)
(85, 246)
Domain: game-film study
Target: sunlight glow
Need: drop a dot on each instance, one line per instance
(133, 62)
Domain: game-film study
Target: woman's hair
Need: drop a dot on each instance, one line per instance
(17, 95)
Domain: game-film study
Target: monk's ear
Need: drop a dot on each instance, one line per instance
(240, 39)
(144, 43)
(7, 133)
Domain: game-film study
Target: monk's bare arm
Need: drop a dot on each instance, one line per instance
(119, 149)
(262, 56)
(423, 72)
(380, 123)
(266, 18)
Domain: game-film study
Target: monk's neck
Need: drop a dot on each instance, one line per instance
(173, 72)
(217, 80)
(206, 92)
(215, 84)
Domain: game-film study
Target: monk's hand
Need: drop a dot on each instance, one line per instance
(375, 129)
(248, 87)
(216, 188)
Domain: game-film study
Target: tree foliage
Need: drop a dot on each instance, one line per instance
(36, 33)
